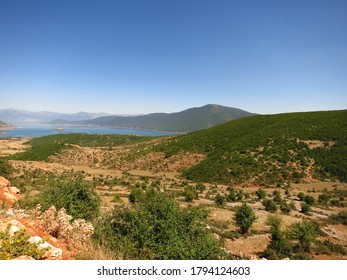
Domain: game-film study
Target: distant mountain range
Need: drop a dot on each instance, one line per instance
(22, 116)
(185, 121)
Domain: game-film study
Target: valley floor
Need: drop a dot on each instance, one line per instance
(114, 176)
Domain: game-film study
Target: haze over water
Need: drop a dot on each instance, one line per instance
(38, 130)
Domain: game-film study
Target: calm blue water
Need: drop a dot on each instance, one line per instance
(38, 130)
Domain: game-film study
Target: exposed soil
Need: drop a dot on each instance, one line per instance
(12, 146)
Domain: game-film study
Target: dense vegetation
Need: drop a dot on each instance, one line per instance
(42, 148)
(6, 169)
(155, 227)
(268, 149)
(68, 191)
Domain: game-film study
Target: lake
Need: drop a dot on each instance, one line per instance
(38, 130)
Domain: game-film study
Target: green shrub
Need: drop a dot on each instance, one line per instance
(277, 197)
(301, 196)
(340, 218)
(323, 198)
(304, 233)
(71, 192)
(17, 245)
(309, 199)
(244, 218)
(200, 187)
(117, 198)
(305, 208)
(190, 193)
(285, 208)
(157, 228)
(279, 246)
(135, 195)
(220, 199)
(260, 193)
(269, 205)
(327, 248)
(6, 169)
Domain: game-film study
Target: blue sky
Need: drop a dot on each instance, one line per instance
(143, 56)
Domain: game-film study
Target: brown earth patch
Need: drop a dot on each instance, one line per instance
(13, 146)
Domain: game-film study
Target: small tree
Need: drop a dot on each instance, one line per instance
(135, 195)
(277, 197)
(190, 193)
(260, 193)
(301, 196)
(305, 208)
(323, 199)
(220, 199)
(244, 218)
(279, 246)
(74, 194)
(270, 205)
(305, 233)
(309, 199)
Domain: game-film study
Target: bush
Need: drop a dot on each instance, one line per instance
(304, 233)
(285, 208)
(323, 199)
(305, 208)
(17, 245)
(157, 228)
(231, 197)
(117, 198)
(327, 248)
(279, 246)
(244, 218)
(200, 187)
(301, 196)
(277, 197)
(190, 193)
(309, 199)
(135, 195)
(270, 205)
(340, 218)
(260, 193)
(6, 169)
(70, 192)
(220, 199)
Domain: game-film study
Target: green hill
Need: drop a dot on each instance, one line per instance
(44, 147)
(192, 119)
(269, 149)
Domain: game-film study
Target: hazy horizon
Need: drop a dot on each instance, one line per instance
(140, 114)
(139, 57)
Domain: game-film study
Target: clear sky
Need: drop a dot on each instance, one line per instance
(144, 56)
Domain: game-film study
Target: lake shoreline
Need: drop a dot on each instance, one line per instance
(40, 129)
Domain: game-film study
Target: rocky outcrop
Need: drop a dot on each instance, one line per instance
(8, 194)
(4, 183)
(14, 221)
(14, 226)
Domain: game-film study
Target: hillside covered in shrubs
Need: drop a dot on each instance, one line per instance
(268, 149)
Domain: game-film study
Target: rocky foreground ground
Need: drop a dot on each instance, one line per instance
(51, 230)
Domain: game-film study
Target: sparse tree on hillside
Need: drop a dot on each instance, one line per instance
(244, 218)
(279, 246)
(305, 233)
